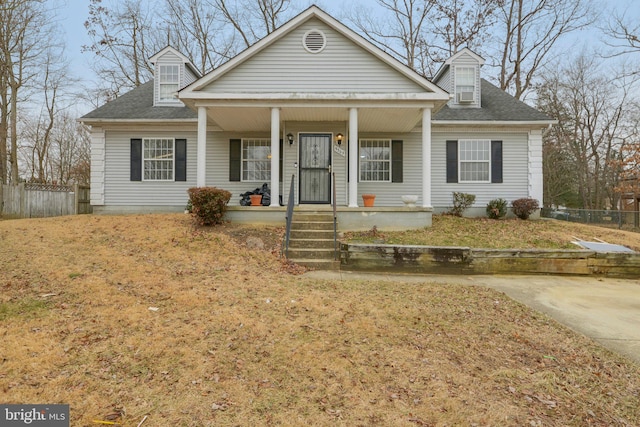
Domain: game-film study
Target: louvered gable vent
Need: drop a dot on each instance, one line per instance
(314, 41)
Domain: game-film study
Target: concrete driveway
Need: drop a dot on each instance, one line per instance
(606, 310)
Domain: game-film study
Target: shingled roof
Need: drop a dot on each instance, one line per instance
(137, 104)
(497, 106)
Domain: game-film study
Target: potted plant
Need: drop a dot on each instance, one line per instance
(368, 200)
(256, 199)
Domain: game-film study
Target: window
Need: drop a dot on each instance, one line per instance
(465, 84)
(256, 159)
(169, 80)
(158, 159)
(475, 160)
(375, 160)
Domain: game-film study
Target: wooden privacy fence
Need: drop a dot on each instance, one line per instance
(45, 200)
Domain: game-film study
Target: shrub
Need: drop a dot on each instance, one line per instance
(208, 204)
(497, 208)
(461, 201)
(524, 207)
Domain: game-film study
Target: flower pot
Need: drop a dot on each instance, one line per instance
(410, 200)
(368, 200)
(256, 199)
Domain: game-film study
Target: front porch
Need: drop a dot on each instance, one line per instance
(348, 219)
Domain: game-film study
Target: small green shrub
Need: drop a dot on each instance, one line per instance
(523, 208)
(497, 208)
(461, 201)
(208, 204)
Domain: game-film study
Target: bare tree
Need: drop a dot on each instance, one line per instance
(424, 33)
(123, 39)
(460, 23)
(253, 19)
(593, 114)
(529, 31)
(26, 32)
(196, 29)
(401, 33)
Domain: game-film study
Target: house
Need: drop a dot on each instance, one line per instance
(319, 114)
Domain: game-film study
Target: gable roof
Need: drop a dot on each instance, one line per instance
(312, 12)
(496, 106)
(447, 64)
(187, 62)
(136, 105)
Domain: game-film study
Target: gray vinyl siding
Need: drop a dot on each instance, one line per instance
(389, 193)
(286, 66)
(120, 191)
(514, 164)
(188, 77)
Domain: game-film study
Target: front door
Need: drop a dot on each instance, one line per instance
(315, 168)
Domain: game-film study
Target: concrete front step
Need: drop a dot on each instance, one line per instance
(311, 234)
(318, 264)
(311, 225)
(312, 217)
(310, 253)
(311, 243)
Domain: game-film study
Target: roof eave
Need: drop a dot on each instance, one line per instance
(527, 123)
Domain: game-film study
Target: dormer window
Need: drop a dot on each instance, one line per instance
(169, 82)
(465, 85)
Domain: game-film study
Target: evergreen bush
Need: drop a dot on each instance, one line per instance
(208, 204)
(461, 201)
(497, 208)
(523, 208)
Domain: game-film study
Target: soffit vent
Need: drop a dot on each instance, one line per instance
(314, 41)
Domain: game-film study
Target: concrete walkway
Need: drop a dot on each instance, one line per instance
(606, 310)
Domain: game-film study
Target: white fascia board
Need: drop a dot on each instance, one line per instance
(524, 123)
(318, 96)
(93, 122)
(313, 11)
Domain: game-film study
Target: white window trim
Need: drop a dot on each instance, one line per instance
(455, 86)
(173, 159)
(460, 161)
(242, 159)
(360, 159)
(172, 100)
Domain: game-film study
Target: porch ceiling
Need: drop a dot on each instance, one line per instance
(258, 119)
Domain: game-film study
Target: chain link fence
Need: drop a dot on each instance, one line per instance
(624, 220)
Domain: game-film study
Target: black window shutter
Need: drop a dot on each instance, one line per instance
(235, 157)
(496, 161)
(181, 159)
(136, 160)
(396, 161)
(452, 161)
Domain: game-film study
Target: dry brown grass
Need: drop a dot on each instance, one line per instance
(238, 340)
(448, 230)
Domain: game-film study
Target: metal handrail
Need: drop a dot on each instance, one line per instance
(335, 218)
(289, 218)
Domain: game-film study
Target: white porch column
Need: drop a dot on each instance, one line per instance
(535, 165)
(275, 156)
(353, 158)
(426, 157)
(201, 165)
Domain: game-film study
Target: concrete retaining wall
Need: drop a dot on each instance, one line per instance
(462, 260)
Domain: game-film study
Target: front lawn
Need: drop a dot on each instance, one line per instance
(127, 317)
(448, 230)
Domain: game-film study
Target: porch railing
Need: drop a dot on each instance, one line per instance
(289, 217)
(335, 218)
